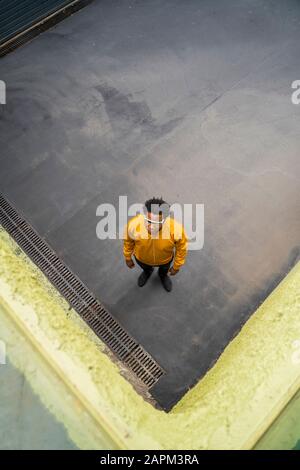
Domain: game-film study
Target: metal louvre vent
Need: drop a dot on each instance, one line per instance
(22, 20)
(132, 354)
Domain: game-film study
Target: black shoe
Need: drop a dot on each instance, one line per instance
(143, 278)
(166, 282)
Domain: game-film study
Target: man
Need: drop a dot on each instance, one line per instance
(153, 239)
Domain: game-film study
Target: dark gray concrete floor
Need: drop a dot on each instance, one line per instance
(189, 100)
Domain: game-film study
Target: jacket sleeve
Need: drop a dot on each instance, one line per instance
(181, 244)
(128, 245)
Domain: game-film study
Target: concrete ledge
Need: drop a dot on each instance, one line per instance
(230, 408)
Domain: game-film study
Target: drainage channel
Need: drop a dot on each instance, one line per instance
(104, 325)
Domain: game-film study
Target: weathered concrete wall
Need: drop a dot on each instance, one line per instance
(230, 408)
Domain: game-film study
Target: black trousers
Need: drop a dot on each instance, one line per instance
(162, 269)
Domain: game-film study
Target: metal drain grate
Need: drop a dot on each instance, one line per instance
(132, 354)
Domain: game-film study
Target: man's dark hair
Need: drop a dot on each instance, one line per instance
(156, 205)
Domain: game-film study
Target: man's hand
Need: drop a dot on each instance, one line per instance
(130, 263)
(173, 271)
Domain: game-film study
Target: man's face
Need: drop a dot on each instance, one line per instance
(153, 222)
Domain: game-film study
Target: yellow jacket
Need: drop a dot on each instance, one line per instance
(158, 249)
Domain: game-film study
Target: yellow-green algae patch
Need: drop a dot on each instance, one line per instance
(228, 409)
